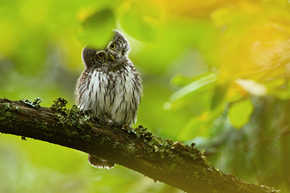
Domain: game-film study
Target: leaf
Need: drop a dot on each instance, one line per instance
(194, 86)
(252, 87)
(192, 91)
(97, 28)
(181, 80)
(200, 126)
(218, 95)
(240, 113)
(141, 20)
(197, 126)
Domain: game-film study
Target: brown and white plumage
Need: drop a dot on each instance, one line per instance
(110, 85)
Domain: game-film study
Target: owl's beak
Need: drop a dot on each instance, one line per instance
(112, 57)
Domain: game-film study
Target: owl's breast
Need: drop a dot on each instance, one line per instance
(116, 94)
(127, 92)
(93, 91)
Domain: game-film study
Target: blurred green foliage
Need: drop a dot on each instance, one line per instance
(214, 72)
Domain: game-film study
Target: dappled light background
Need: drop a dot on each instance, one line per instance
(215, 73)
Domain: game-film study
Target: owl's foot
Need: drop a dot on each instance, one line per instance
(106, 121)
(126, 127)
(109, 122)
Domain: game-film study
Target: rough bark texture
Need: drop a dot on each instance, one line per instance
(173, 163)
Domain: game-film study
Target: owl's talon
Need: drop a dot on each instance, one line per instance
(109, 123)
(126, 127)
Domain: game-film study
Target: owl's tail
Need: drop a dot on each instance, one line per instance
(99, 162)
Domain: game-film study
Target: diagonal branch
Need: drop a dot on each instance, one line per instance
(175, 164)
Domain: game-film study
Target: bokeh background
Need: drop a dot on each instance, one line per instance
(215, 73)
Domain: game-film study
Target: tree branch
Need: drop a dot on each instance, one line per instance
(175, 164)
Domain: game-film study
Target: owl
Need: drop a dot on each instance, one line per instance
(110, 86)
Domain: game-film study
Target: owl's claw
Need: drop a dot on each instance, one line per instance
(109, 122)
(126, 127)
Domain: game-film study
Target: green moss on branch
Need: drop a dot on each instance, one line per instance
(174, 163)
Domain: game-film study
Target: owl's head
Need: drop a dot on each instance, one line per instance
(110, 57)
(93, 57)
(118, 48)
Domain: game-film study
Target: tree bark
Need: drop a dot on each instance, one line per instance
(173, 163)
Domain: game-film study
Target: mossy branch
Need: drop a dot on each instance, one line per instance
(173, 163)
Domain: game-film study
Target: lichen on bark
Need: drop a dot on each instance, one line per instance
(174, 163)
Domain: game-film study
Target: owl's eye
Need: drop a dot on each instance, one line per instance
(112, 46)
(100, 55)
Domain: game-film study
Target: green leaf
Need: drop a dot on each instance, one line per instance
(141, 21)
(197, 126)
(97, 28)
(218, 95)
(181, 80)
(192, 92)
(194, 86)
(200, 126)
(240, 113)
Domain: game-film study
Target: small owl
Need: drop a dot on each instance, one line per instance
(110, 86)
